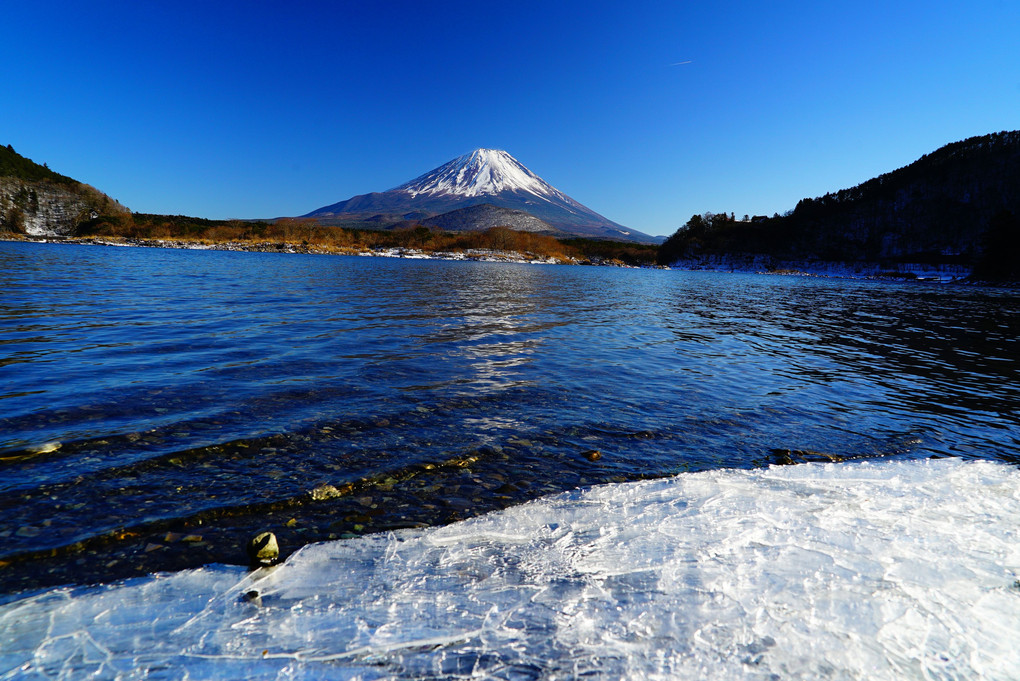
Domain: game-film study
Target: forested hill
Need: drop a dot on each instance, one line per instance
(950, 206)
(13, 164)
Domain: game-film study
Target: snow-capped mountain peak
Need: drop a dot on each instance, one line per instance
(483, 177)
(480, 173)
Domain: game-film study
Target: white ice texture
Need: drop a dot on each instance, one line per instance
(864, 570)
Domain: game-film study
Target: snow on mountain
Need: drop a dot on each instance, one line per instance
(482, 172)
(484, 176)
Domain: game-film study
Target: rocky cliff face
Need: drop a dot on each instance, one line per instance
(49, 209)
(36, 201)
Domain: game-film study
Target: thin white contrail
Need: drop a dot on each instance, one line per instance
(681, 63)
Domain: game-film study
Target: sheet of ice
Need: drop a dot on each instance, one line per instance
(865, 570)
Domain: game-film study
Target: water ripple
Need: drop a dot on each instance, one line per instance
(146, 392)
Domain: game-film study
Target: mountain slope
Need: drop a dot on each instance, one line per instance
(37, 201)
(485, 176)
(485, 215)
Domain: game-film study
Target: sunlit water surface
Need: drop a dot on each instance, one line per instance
(157, 407)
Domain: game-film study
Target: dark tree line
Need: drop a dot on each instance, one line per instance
(13, 164)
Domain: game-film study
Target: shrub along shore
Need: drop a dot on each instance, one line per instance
(308, 236)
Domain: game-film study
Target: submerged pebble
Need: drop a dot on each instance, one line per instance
(323, 492)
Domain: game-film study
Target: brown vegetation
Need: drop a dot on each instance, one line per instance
(346, 239)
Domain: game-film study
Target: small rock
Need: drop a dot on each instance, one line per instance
(254, 598)
(592, 454)
(782, 457)
(323, 492)
(292, 522)
(787, 457)
(192, 538)
(153, 547)
(263, 550)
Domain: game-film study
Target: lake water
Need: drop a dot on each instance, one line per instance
(158, 407)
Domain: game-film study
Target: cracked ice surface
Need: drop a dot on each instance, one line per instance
(864, 570)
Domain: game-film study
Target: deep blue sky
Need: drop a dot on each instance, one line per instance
(262, 109)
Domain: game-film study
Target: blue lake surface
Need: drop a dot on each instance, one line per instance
(159, 406)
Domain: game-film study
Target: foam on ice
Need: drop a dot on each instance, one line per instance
(862, 570)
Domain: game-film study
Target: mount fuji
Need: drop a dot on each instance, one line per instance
(484, 176)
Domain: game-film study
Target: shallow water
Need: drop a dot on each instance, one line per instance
(159, 406)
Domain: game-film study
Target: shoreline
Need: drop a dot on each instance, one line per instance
(475, 255)
(865, 271)
(828, 269)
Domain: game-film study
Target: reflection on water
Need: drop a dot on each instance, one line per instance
(150, 394)
(496, 323)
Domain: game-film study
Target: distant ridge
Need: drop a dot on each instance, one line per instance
(484, 176)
